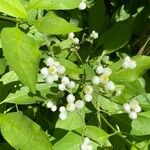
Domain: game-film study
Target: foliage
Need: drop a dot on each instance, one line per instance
(74, 75)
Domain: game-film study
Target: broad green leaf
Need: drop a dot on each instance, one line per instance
(120, 32)
(97, 16)
(98, 135)
(73, 121)
(130, 90)
(143, 64)
(22, 133)
(105, 103)
(140, 126)
(54, 4)
(72, 70)
(24, 96)
(13, 8)
(52, 24)
(71, 141)
(22, 55)
(9, 77)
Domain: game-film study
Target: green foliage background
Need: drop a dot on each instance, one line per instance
(32, 30)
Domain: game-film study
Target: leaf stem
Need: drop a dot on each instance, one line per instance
(118, 133)
(10, 19)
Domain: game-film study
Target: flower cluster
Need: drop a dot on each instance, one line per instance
(128, 63)
(53, 70)
(102, 78)
(132, 108)
(88, 90)
(66, 84)
(74, 39)
(86, 145)
(94, 35)
(71, 106)
(51, 105)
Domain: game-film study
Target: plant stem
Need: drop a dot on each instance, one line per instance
(118, 133)
(10, 19)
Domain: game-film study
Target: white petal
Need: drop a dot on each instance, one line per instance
(50, 61)
(44, 71)
(132, 115)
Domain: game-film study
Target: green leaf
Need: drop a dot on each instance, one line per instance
(2, 65)
(140, 126)
(98, 135)
(105, 103)
(22, 54)
(97, 13)
(9, 77)
(24, 96)
(52, 24)
(13, 8)
(73, 121)
(71, 141)
(22, 133)
(120, 32)
(72, 70)
(143, 64)
(54, 4)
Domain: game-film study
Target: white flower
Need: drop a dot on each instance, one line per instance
(137, 109)
(89, 147)
(62, 109)
(79, 104)
(55, 77)
(88, 97)
(96, 80)
(71, 35)
(110, 86)
(94, 35)
(82, 5)
(61, 87)
(52, 69)
(87, 140)
(133, 64)
(107, 71)
(128, 63)
(49, 79)
(126, 107)
(132, 115)
(83, 146)
(135, 106)
(54, 108)
(44, 71)
(56, 63)
(70, 98)
(65, 80)
(49, 104)
(71, 107)
(86, 144)
(88, 89)
(63, 116)
(99, 69)
(50, 61)
(71, 84)
(76, 41)
(104, 78)
(61, 69)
